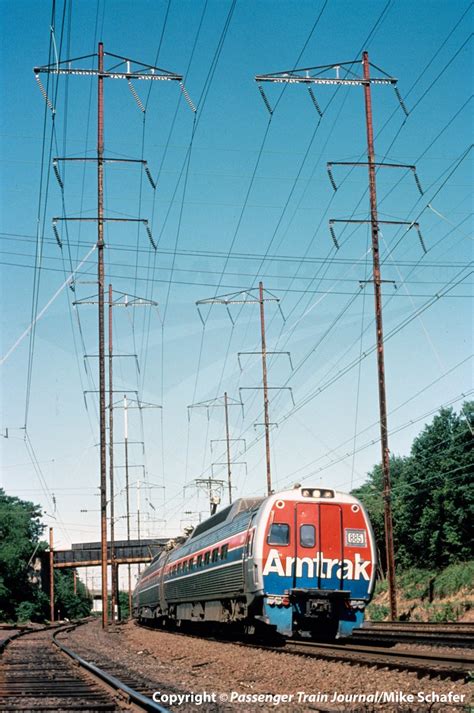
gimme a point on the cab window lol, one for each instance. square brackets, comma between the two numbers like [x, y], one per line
[199, 560]
[307, 536]
[215, 554]
[279, 534]
[224, 551]
[207, 557]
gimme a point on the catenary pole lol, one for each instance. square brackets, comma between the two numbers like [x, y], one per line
[111, 458]
[127, 491]
[100, 281]
[380, 346]
[265, 388]
[51, 575]
[227, 438]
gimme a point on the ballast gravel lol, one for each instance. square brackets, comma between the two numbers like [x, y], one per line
[170, 664]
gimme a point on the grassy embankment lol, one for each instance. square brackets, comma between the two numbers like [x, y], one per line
[426, 595]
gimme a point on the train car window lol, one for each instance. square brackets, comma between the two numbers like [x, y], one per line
[215, 554]
[185, 566]
[199, 560]
[191, 563]
[224, 551]
[207, 557]
[279, 534]
[307, 536]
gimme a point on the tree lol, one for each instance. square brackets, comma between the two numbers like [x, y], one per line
[20, 598]
[67, 603]
[432, 497]
[20, 532]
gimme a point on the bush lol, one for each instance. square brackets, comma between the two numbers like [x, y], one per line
[416, 583]
[25, 611]
[377, 612]
[454, 578]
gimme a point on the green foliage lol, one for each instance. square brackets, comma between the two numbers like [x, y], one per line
[432, 497]
[427, 595]
[123, 602]
[455, 578]
[20, 531]
[445, 612]
[68, 604]
[25, 611]
[21, 599]
[416, 583]
[377, 612]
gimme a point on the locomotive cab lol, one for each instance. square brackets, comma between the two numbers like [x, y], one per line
[318, 562]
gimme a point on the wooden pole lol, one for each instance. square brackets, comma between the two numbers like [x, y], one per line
[51, 575]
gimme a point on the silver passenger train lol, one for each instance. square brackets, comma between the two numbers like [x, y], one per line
[299, 560]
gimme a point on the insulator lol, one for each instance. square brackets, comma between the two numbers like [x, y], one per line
[265, 100]
[421, 239]
[57, 236]
[187, 97]
[147, 227]
[136, 97]
[402, 103]
[417, 181]
[45, 96]
[315, 101]
[58, 177]
[149, 176]
[333, 236]
[331, 178]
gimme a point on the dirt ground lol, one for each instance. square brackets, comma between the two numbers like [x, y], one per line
[188, 666]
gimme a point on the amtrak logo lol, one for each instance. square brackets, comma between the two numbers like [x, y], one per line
[316, 566]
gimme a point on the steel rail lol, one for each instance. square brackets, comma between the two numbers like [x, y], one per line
[433, 664]
[139, 699]
[445, 626]
[431, 635]
[61, 687]
[450, 665]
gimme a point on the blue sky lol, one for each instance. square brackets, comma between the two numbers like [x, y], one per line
[239, 199]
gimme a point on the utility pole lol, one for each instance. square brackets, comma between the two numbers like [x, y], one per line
[226, 403]
[138, 516]
[51, 576]
[344, 75]
[126, 301]
[129, 70]
[380, 350]
[100, 284]
[227, 438]
[127, 493]
[111, 462]
[247, 297]
[265, 388]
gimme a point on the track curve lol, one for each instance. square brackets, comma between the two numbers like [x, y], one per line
[40, 673]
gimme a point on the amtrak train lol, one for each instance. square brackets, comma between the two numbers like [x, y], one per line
[301, 560]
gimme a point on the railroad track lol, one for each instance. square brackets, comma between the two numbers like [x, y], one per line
[450, 666]
[384, 633]
[39, 673]
[427, 663]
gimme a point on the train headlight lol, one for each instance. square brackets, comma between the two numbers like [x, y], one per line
[311, 493]
[317, 493]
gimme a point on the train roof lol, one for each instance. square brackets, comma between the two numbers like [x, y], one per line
[227, 514]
